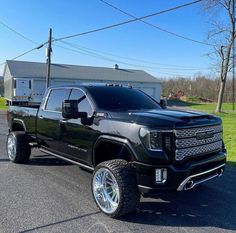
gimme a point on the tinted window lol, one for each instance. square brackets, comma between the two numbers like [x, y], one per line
[55, 99]
[83, 105]
[121, 99]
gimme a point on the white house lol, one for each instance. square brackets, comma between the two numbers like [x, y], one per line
[30, 76]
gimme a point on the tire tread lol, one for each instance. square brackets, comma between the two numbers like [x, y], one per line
[126, 179]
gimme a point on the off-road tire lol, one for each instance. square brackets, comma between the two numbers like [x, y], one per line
[125, 177]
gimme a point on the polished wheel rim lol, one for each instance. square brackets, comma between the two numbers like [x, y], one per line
[106, 190]
[11, 147]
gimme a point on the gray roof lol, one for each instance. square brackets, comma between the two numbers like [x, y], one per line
[24, 69]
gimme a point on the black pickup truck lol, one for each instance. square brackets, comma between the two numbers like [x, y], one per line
[133, 145]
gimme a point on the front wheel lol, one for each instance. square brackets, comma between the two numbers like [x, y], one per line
[114, 188]
[18, 148]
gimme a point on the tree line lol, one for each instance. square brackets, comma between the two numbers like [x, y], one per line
[201, 88]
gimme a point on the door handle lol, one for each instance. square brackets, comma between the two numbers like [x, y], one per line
[63, 121]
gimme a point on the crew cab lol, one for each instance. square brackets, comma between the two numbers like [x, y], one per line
[133, 145]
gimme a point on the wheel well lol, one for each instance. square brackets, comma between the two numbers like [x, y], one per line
[107, 150]
[17, 127]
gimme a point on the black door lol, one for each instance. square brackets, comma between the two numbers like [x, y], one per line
[49, 118]
[78, 135]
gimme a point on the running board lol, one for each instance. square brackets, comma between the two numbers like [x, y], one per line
[67, 160]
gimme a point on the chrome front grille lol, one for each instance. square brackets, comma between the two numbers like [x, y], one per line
[189, 142]
[188, 133]
[199, 150]
[197, 141]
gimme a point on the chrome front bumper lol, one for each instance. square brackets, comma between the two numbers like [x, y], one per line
[196, 179]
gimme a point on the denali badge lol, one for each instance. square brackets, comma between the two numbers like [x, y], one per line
[205, 134]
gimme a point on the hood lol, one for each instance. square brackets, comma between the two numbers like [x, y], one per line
[167, 118]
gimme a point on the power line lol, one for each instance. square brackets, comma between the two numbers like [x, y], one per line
[19, 55]
[84, 52]
[18, 33]
[128, 21]
[22, 54]
[24, 37]
[156, 27]
[134, 59]
[91, 54]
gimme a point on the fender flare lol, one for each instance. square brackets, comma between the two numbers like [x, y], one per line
[19, 121]
[117, 140]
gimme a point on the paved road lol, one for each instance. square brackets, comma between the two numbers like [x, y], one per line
[49, 195]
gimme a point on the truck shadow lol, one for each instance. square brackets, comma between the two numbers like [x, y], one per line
[210, 205]
[205, 206]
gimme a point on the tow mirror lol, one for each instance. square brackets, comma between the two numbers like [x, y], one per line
[70, 110]
[82, 115]
[163, 103]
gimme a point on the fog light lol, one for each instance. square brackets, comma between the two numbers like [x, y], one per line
[161, 175]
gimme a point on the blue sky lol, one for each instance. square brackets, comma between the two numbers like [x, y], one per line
[135, 45]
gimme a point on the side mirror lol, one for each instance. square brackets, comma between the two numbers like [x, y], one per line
[70, 110]
[82, 115]
[163, 103]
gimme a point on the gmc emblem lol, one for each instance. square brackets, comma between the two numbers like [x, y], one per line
[205, 135]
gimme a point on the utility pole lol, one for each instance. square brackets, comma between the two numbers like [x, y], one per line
[48, 61]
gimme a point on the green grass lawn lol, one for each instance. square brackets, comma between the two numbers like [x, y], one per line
[2, 104]
[229, 122]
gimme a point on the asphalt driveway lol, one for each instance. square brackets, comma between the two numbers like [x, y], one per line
[49, 195]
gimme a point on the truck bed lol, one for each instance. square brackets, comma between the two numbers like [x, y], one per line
[26, 115]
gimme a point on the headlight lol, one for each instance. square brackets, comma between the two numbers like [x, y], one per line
[151, 139]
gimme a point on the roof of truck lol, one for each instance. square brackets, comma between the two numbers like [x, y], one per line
[25, 69]
[87, 86]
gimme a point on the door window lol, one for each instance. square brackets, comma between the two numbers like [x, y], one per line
[83, 105]
[55, 99]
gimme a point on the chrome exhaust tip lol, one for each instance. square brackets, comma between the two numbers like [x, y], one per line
[189, 185]
[194, 180]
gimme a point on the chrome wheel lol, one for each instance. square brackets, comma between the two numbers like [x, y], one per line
[105, 190]
[11, 147]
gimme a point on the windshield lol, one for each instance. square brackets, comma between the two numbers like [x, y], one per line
[121, 99]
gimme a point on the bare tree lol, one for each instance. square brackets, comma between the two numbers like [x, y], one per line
[200, 88]
[222, 35]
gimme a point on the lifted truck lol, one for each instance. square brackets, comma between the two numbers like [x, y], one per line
[133, 145]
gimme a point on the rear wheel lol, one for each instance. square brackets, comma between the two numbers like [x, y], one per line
[114, 188]
[18, 148]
